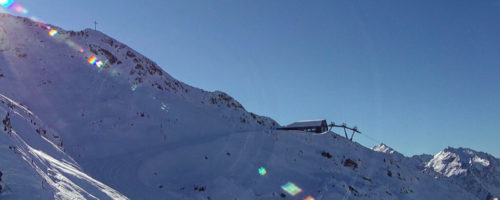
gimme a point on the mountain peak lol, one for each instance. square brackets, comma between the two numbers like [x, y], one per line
[476, 171]
[383, 148]
[456, 161]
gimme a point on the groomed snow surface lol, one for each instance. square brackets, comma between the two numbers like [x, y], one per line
[128, 130]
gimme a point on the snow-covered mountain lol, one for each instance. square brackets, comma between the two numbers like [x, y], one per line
[477, 172]
[86, 117]
[384, 149]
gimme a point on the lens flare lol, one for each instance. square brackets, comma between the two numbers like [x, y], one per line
[53, 32]
[96, 62]
[14, 6]
[291, 188]
[92, 60]
[70, 43]
[133, 88]
[164, 107]
[308, 198]
[18, 8]
[75, 46]
[6, 3]
[262, 171]
[35, 19]
[99, 63]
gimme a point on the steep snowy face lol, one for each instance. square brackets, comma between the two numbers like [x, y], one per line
[96, 92]
[93, 99]
[448, 164]
[32, 167]
[477, 172]
[455, 162]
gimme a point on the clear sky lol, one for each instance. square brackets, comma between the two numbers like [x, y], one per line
[417, 75]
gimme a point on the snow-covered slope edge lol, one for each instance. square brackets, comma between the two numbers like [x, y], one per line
[34, 167]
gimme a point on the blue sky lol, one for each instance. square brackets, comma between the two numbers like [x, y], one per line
[417, 75]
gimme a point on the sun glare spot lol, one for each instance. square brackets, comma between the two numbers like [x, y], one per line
[262, 171]
[309, 198]
[92, 60]
[53, 32]
[99, 64]
[6, 3]
[18, 8]
[164, 107]
[96, 62]
[291, 188]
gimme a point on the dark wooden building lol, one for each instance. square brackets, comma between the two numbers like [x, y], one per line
[315, 126]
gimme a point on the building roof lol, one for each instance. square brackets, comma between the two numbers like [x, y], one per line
[306, 123]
